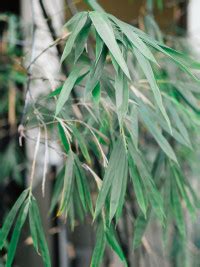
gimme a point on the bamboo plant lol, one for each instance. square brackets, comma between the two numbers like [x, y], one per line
[119, 99]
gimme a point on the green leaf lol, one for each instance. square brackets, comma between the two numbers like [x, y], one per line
[153, 117]
[59, 89]
[83, 186]
[57, 190]
[96, 93]
[138, 188]
[140, 226]
[79, 22]
[63, 137]
[156, 132]
[81, 40]
[179, 124]
[147, 69]
[16, 233]
[96, 71]
[55, 92]
[112, 241]
[40, 234]
[132, 124]
[104, 29]
[81, 143]
[177, 209]
[10, 217]
[122, 95]
[99, 247]
[68, 184]
[110, 175]
[118, 183]
[94, 5]
[69, 84]
[134, 39]
[71, 22]
[150, 187]
[181, 186]
[122, 197]
[165, 50]
[33, 229]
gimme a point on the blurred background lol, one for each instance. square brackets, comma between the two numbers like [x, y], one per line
[179, 21]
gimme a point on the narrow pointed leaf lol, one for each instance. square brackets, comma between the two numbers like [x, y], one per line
[82, 40]
[16, 233]
[78, 25]
[69, 84]
[134, 39]
[150, 187]
[140, 226]
[10, 218]
[68, 184]
[63, 138]
[43, 247]
[112, 241]
[156, 132]
[96, 72]
[99, 247]
[122, 95]
[147, 69]
[177, 209]
[82, 144]
[117, 184]
[109, 175]
[138, 188]
[105, 31]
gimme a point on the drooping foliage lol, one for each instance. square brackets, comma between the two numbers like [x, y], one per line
[118, 97]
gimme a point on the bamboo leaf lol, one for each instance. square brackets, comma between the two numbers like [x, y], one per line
[140, 226]
[83, 186]
[82, 144]
[109, 176]
[40, 234]
[94, 5]
[82, 40]
[179, 124]
[147, 69]
[118, 183]
[165, 50]
[99, 247]
[10, 217]
[156, 132]
[96, 93]
[122, 95]
[69, 84]
[177, 209]
[57, 190]
[134, 39]
[33, 229]
[112, 241]
[68, 184]
[63, 138]
[138, 188]
[96, 72]
[152, 192]
[59, 89]
[105, 31]
[16, 233]
[79, 22]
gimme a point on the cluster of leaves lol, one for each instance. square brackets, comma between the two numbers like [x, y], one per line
[25, 206]
[102, 127]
